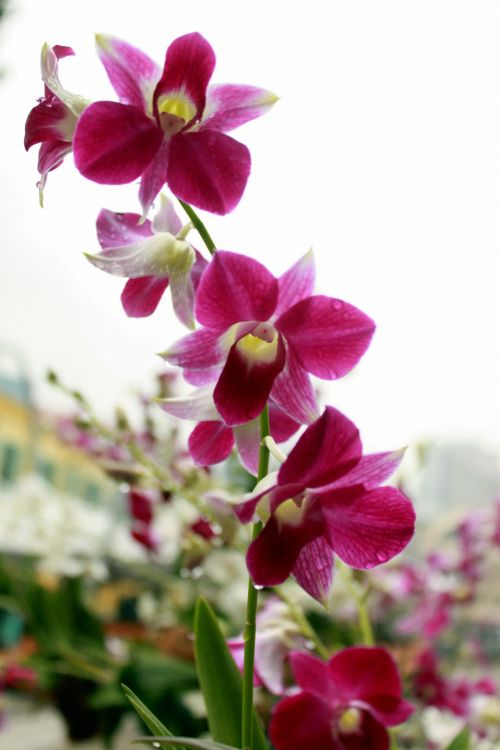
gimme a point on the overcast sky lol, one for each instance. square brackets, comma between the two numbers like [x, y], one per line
[382, 154]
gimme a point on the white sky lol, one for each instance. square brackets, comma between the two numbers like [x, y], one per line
[382, 154]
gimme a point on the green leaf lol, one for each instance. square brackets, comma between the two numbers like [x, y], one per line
[461, 741]
[150, 720]
[220, 681]
[188, 742]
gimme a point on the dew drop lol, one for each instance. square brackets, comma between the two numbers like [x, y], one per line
[381, 556]
[337, 304]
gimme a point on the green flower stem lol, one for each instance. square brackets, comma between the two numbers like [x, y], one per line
[253, 594]
[360, 597]
[200, 227]
[365, 625]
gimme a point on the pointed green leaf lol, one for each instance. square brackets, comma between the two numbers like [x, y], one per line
[187, 742]
[220, 681]
[461, 741]
[150, 720]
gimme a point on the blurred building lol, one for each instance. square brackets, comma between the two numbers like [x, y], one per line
[30, 444]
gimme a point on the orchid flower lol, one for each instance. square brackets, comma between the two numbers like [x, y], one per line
[169, 126]
[343, 704]
[52, 122]
[212, 440]
[262, 336]
[152, 255]
[277, 635]
[325, 500]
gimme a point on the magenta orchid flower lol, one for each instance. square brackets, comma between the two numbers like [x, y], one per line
[153, 255]
[343, 704]
[211, 441]
[169, 126]
[325, 501]
[52, 122]
[262, 336]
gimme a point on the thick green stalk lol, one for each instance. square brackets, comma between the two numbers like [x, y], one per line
[253, 594]
[199, 226]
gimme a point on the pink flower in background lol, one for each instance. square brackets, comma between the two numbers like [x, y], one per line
[343, 704]
[277, 635]
[212, 441]
[153, 255]
[52, 122]
[170, 125]
[326, 500]
[454, 694]
[262, 336]
[140, 505]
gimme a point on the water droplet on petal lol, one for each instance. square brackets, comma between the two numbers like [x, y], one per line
[381, 556]
[337, 304]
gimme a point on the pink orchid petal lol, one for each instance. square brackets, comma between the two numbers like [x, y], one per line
[198, 405]
[210, 443]
[369, 675]
[371, 470]
[50, 120]
[233, 288]
[282, 427]
[366, 529]
[182, 292]
[293, 392]
[313, 570]
[389, 711]
[313, 674]
[154, 176]
[50, 75]
[114, 143]
[328, 336]
[118, 229]
[208, 169]
[245, 384]
[131, 72]
[202, 350]
[166, 220]
[326, 450]
[230, 105]
[272, 556]
[189, 64]
[201, 377]
[61, 51]
[50, 157]
[131, 261]
[140, 297]
[296, 284]
[247, 438]
[300, 722]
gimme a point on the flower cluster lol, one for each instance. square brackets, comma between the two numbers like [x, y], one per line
[257, 340]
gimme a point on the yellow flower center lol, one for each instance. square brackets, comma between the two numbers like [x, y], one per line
[261, 345]
[349, 721]
[291, 511]
[175, 112]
